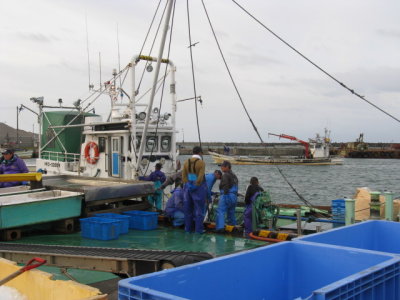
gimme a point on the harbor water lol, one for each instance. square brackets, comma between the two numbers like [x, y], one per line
[319, 184]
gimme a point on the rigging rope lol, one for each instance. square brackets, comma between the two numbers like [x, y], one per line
[154, 40]
[230, 74]
[296, 192]
[315, 65]
[193, 77]
[163, 82]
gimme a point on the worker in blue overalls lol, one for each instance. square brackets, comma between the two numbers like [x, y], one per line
[174, 207]
[158, 177]
[211, 179]
[195, 191]
[229, 187]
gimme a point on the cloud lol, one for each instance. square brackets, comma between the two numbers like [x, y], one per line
[389, 33]
[36, 37]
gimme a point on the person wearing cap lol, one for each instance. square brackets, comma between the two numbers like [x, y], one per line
[158, 177]
[10, 163]
[229, 187]
[195, 191]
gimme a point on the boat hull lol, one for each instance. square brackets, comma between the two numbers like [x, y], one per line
[246, 160]
[38, 207]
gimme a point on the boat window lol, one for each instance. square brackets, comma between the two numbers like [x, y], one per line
[165, 144]
[102, 144]
[151, 144]
[115, 145]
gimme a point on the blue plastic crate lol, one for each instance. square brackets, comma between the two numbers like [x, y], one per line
[370, 235]
[280, 272]
[338, 203]
[100, 228]
[124, 225]
[142, 220]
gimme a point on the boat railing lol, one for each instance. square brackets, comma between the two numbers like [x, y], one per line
[61, 157]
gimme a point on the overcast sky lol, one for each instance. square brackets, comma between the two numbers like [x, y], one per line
[43, 52]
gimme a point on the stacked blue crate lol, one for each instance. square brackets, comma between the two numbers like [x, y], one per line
[338, 211]
[100, 228]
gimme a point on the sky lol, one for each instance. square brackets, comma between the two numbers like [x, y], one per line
[43, 52]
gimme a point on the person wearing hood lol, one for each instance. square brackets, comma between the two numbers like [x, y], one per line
[10, 163]
[253, 190]
[158, 177]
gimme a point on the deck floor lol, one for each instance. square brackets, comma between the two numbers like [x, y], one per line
[159, 239]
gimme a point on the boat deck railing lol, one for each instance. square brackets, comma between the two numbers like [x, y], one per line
[61, 157]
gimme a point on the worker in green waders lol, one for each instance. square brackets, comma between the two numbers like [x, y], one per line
[158, 177]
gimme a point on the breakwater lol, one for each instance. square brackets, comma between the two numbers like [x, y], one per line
[280, 149]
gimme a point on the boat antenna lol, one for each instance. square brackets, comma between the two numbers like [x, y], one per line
[87, 50]
[100, 70]
[119, 59]
[315, 65]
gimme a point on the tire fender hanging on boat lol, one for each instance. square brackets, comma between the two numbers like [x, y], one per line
[89, 158]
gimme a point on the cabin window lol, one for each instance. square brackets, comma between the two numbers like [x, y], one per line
[115, 145]
[151, 144]
[102, 144]
[165, 144]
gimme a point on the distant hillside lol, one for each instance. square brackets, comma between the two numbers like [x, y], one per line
[12, 132]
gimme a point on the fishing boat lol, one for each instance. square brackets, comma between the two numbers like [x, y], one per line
[316, 153]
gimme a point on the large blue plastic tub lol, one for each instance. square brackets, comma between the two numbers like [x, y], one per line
[124, 224]
[100, 228]
[370, 235]
[278, 272]
[142, 220]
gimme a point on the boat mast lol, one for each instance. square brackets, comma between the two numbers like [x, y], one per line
[153, 90]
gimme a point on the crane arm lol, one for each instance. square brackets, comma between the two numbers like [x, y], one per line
[293, 138]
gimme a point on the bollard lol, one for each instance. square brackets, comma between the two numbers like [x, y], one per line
[388, 206]
[350, 205]
[298, 215]
[375, 206]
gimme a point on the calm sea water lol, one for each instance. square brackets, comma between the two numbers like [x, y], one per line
[319, 184]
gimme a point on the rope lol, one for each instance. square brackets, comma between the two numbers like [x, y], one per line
[151, 25]
[230, 75]
[315, 65]
[163, 82]
[152, 45]
[307, 203]
[193, 77]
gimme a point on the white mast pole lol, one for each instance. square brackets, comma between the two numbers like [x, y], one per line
[134, 162]
[153, 90]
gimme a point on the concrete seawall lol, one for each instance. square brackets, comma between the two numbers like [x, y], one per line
[245, 149]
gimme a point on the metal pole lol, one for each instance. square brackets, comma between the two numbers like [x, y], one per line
[17, 143]
[298, 215]
[157, 71]
[388, 206]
